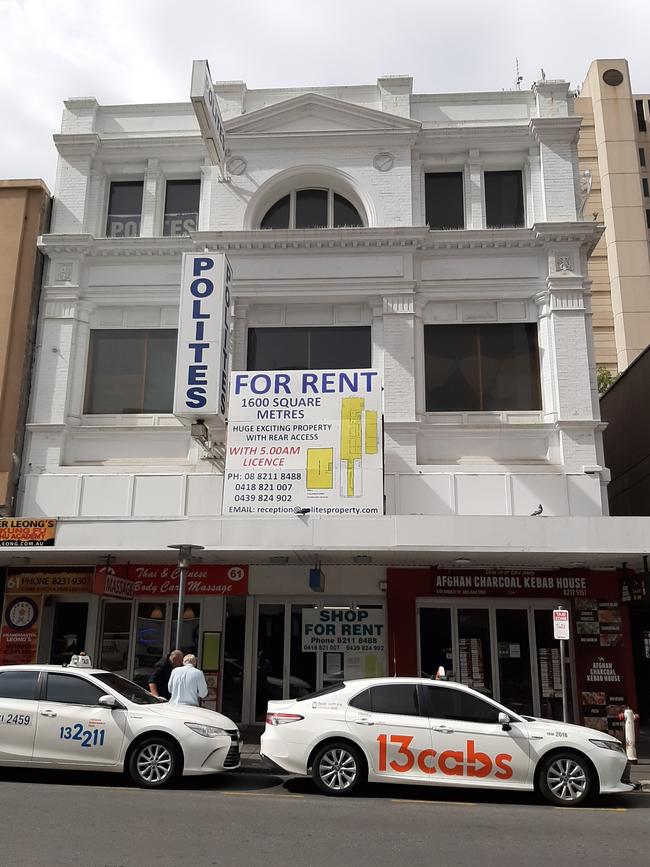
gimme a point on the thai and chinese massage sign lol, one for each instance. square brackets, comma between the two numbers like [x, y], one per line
[308, 440]
[451, 763]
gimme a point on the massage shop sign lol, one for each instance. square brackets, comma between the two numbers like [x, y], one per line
[307, 441]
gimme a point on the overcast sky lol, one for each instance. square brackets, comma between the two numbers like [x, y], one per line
[141, 51]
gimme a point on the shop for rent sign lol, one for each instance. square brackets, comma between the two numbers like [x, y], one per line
[306, 441]
[358, 630]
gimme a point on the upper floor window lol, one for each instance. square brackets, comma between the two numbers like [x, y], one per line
[124, 209]
[130, 370]
[311, 209]
[182, 207]
[642, 157]
[640, 115]
[646, 187]
[328, 348]
[481, 367]
[443, 192]
[504, 199]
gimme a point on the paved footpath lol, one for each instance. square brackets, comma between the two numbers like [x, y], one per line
[52, 819]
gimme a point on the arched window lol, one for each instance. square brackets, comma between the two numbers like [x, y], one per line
[311, 209]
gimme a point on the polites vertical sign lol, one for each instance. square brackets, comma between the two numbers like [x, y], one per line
[206, 108]
[202, 358]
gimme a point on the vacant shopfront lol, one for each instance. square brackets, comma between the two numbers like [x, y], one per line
[492, 630]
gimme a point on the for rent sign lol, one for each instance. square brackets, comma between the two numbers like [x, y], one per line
[304, 440]
[201, 389]
[360, 630]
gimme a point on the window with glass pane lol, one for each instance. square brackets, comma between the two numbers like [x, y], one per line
[182, 207]
[269, 682]
[124, 209]
[334, 348]
[395, 698]
[504, 199]
[435, 642]
[130, 371]
[233, 657]
[311, 209]
[277, 216]
[481, 367]
[149, 640]
[475, 660]
[18, 684]
[345, 214]
[190, 627]
[515, 677]
[302, 666]
[443, 193]
[71, 690]
[549, 668]
[445, 702]
[116, 633]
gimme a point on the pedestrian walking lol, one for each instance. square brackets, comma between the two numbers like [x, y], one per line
[186, 683]
[159, 680]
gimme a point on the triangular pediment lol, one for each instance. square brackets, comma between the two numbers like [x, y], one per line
[311, 113]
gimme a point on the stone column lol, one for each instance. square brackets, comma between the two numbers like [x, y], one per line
[474, 216]
[153, 201]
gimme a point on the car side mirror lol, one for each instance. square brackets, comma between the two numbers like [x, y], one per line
[504, 721]
[108, 701]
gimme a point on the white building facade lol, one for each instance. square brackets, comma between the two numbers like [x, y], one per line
[434, 238]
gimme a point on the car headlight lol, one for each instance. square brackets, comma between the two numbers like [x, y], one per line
[207, 731]
[617, 746]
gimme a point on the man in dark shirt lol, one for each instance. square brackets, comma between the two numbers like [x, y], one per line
[159, 680]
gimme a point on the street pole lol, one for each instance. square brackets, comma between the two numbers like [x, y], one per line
[565, 713]
[185, 553]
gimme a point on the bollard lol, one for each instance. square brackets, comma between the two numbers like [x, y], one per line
[630, 718]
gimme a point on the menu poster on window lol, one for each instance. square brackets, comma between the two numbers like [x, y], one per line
[550, 672]
[471, 662]
[604, 690]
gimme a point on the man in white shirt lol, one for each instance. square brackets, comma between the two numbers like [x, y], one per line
[186, 683]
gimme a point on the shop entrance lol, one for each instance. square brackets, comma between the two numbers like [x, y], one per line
[69, 625]
[504, 649]
[282, 670]
[640, 630]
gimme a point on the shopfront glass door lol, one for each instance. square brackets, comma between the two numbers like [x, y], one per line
[115, 636]
[68, 631]
[499, 648]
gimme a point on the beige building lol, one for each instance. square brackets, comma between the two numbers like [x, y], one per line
[24, 215]
[615, 147]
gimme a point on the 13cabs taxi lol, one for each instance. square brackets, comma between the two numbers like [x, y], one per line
[81, 718]
[411, 730]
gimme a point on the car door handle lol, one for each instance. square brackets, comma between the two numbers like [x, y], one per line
[364, 722]
[48, 713]
[443, 730]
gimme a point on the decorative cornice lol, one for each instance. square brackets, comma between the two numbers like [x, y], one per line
[411, 238]
[555, 129]
[79, 144]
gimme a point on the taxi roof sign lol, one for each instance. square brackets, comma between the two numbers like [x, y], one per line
[80, 660]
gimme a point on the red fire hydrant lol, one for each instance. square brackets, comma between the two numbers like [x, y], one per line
[630, 718]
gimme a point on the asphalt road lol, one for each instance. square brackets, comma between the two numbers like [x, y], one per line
[251, 818]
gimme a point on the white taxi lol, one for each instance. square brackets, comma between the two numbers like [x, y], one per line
[81, 718]
[411, 730]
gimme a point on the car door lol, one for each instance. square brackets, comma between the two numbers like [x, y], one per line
[18, 714]
[73, 728]
[472, 747]
[395, 734]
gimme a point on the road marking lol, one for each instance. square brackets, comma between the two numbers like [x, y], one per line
[434, 803]
[597, 809]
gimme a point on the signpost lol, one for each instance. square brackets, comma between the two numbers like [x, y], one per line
[561, 632]
[206, 107]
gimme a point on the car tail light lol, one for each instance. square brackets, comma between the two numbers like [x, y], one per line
[280, 719]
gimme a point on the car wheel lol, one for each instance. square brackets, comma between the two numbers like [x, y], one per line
[566, 779]
[153, 763]
[339, 769]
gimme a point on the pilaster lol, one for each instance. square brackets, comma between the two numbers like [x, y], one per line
[153, 195]
[474, 212]
[399, 312]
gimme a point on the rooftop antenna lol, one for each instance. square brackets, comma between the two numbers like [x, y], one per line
[520, 78]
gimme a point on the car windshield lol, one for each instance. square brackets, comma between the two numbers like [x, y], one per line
[131, 691]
